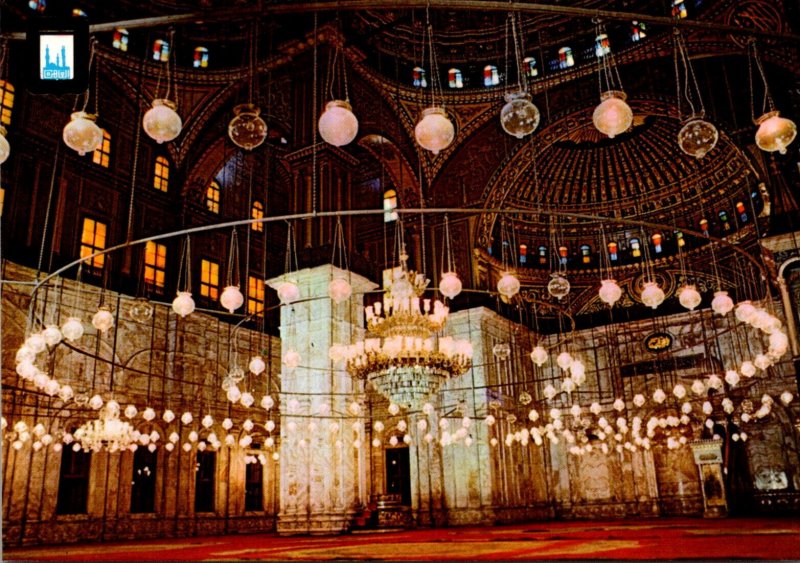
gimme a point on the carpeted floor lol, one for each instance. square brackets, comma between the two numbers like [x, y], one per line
[666, 538]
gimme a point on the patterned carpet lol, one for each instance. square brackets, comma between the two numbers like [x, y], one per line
[664, 539]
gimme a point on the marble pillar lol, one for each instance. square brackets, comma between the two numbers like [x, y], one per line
[322, 473]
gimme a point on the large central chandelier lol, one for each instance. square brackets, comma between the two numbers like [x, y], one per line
[107, 431]
[403, 357]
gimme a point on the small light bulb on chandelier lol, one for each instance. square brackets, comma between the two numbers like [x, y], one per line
[450, 285]
[434, 131]
[775, 133]
[652, 295]
[613, 116]
[539, 355]
[340, 290]
[103, 320]
[564, 360]
[82, 134]
[52, 335]
[338, 125]
[257, 365]
[231, 298]
[161, 122]
[72, 329]
[183, 304]
[689, 297]
[508, 285]
[722, 304]
[610, 291]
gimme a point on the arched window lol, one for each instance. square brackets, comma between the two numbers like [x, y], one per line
[657, 239]
[602, 46]
[742, 211]
[490, 76]
[213, 196]
[563, 253]
[613, 250]
[723, 218]
[120, 40]
[160, 50]
[586, 253]
[454, 78]
[6, 102]
[565, 58]
[257, 212]
[704, 226]
[523, 253]
[636, 248]
[161, 174]
[143, 482]
[37, 5]
[679, 9]
[155, 265]
[530, 68]
[638, 31]
[420, 81]
[102, 154]
[255, 295]
[542, 255]
[389, 206]
[200, 57]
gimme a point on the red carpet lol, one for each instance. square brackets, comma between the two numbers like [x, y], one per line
[666, 538]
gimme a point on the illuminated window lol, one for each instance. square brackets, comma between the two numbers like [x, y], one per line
[2, 200]
[161, 174]
[742, 211]
[254, 487]
[155, 265]
[613, 250]
[723, 218]
[563, 253]
[542, 255]
[257, 212]
[93, 239]
[37, 5]
[565, 58]
[419, 77]
[200, 57]
[255, 295]
[680, 238]
[212, 196]
[657, 240]
[120, 40]
[6, 102]
[209, 279]
[205, 471]
[529, 64]
[102, 154]
[160, 50]
[602, 46]
[490, 76]
[638, 31]
[636, 248]
[679, 9]
[389, 206]
[586, 254]
[454, 78]
[523, 253]
[704, 226]
[73, 481]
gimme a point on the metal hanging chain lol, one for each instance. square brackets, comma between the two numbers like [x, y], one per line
[314, 121]
[436, 85]
[185, 260]
[291, 250]
[339, 254]
[170, 59]
[252, 61]
[448, 253]
[518, 50]
[767, 104]
[233, 260]
[88, 93]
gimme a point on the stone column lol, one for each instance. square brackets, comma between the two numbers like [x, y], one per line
[788, 311]
[320, 470]
[708, 457]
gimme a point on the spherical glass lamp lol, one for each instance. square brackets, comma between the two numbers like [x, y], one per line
[558, 286]
[82, 134]
[288, 292]
[52, 335]
[291, 359]
[722, 304]
[501, 351]
[775, 133]
[697, 137]
[338, 126]
[613, 116]
[257, 365]
[340, 290]
[72, 329]
[652, 295]
[183, 304]
[434, 131]
[745, 311]
[610, 291]
[519, 117]
[564, 360]
[247, 130]
[689, 297]
[539, 355]
[450, 286]
[508, 285]
[5, 147]
[103, 320]
[161, 122]
[231, 298]
[141, 310]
